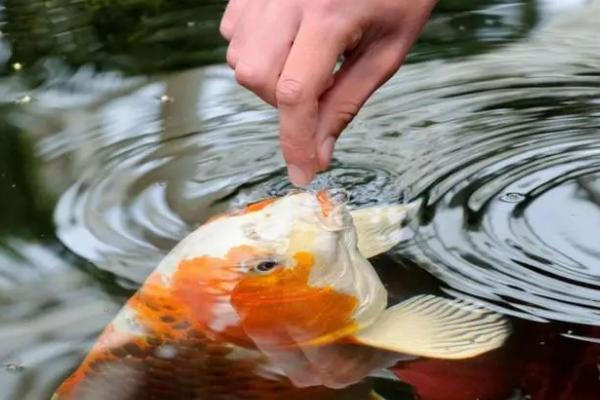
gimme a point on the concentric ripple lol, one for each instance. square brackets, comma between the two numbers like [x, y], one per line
[511, 181]
[503, 149]
[129, 210]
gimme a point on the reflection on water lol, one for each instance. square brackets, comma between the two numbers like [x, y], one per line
[50, 314]
[510, 212]
[124, 34]
[500, 146]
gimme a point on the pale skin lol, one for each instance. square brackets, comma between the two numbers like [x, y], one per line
[285, 51]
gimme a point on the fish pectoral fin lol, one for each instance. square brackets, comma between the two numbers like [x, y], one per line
[380, 228]
[436, 327]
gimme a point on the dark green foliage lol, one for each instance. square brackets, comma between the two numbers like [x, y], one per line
[24, 209]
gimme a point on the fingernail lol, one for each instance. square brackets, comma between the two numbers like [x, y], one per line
[326, 151]
[298, 176]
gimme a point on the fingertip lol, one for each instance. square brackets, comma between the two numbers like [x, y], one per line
[299, 176]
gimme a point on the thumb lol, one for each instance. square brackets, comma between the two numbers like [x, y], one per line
[359, 76]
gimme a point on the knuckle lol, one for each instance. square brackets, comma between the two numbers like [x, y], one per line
[248, 76]
[226, 29]
[289, 91]
[335, 16]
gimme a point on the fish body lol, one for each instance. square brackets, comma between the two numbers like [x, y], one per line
[276, 300]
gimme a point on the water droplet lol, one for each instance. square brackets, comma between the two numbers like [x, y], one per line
[569, 332]
[17, 66]
[462, 28]
[166, 99]
[512, 197]
[14, 185]
[24, 99]
[14, 368]
[191, 24]
[542, 343]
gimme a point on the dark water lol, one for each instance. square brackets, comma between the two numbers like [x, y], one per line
[116, 142]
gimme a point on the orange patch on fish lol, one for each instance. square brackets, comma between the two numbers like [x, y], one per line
[326, 202]
[257, 206]
[166, 314]
[282, 309]
[203, 282]
[159, 316]
[279, 309]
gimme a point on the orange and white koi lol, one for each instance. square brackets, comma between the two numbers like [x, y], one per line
[277, 300]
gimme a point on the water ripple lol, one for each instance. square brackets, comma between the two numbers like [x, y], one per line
[502, 148]
[125, 214]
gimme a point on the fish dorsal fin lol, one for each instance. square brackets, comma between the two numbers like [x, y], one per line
[380, 228]
[436, 327]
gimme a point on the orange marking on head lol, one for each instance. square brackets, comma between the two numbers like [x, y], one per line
[326, 202]
[259, 205]
[281, 309]
[202, 282]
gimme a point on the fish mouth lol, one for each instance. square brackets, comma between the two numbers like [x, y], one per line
[334, 196]
[331, 200]
[333, 208]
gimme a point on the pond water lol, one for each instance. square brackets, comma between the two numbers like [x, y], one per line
[117, 140]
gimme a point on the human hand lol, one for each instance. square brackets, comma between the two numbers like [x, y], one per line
[286, 52]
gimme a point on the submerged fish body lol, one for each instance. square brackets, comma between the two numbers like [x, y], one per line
[277, 300]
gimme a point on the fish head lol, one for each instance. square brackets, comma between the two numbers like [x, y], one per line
[280, 273]
[310, 285]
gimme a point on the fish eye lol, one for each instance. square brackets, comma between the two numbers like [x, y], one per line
[265, 266]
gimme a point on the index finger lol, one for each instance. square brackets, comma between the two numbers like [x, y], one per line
[305, 76]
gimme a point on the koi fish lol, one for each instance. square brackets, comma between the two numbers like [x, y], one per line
[276, 300]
